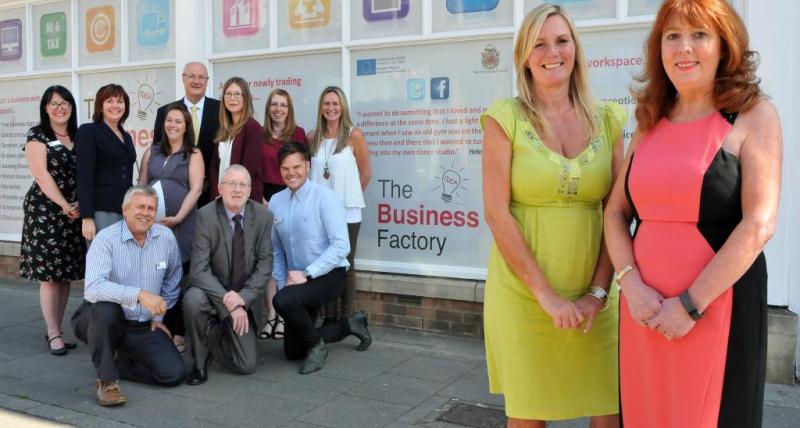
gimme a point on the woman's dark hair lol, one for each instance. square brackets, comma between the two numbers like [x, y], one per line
[187, 146]
[106, 92]
[44, 118]
[291, 148]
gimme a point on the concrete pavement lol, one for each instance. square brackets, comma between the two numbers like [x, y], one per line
[406, 379]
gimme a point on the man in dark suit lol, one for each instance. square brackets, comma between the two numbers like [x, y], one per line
[205, 116]
[231, 260]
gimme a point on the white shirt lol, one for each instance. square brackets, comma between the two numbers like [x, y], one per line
[200, 104]
[224, 148]
[343, 178]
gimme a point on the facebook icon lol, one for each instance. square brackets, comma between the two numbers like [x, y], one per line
[440, 88]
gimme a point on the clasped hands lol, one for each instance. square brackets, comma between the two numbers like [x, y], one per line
[650, 309]
[570, 314]
[71, 210]
[236, 306]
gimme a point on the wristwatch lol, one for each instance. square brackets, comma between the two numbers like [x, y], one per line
[687, 303]
[600, 293]
[308, 276]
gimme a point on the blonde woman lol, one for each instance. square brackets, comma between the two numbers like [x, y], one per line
[549, 158]
[340, 161]
[239, 139]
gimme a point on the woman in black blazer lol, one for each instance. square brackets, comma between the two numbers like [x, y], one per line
[105, 161]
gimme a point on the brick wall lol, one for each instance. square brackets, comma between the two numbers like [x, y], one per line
[9, 267]
[422, 313]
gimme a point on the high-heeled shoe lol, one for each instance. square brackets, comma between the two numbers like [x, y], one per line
[59, 351]
[269, 329]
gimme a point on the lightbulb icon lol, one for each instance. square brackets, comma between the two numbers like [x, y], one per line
[451, 181]
[146, 95]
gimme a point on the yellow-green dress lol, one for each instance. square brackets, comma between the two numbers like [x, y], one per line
[544, 372]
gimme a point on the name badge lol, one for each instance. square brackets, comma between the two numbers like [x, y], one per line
[161, 265]
[55, 143]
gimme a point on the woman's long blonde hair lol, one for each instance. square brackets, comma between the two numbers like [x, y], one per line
[345, 124]
[579, 92]
[227, 129]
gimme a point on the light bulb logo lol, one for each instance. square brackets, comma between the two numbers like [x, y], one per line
[450, 183]
[145, 97]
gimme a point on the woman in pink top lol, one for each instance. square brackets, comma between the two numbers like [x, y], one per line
[702, 183]
[279, 128]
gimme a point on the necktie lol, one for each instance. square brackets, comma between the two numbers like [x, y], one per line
[195, 125]
[238, 275]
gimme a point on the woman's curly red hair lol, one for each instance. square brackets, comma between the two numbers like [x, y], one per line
[736, 87]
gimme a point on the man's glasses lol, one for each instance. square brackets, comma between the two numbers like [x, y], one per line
[195, 76]
[236, 184]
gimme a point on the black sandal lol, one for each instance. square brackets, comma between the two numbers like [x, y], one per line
[60, 351]
[269, 329]
[278, 335]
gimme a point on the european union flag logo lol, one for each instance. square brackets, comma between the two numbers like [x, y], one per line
[366, 67]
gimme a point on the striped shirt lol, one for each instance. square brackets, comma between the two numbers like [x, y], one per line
[117, 268]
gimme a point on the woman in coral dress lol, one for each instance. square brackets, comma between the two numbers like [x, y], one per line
[702, 183]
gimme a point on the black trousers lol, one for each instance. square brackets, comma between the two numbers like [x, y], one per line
[142, 355]
[299, 306]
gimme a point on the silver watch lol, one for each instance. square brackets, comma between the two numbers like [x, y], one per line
[600, 293]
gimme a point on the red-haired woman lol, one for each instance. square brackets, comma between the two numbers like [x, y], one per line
[105, 161]
[703, 180]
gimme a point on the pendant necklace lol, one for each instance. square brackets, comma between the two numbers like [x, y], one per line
[58, 134]
[325, 172]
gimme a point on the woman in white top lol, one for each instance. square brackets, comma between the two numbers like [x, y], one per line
[340, 160]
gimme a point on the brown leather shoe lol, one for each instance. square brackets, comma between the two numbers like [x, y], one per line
[108, 393]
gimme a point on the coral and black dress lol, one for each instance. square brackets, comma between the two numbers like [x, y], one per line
[685, 190]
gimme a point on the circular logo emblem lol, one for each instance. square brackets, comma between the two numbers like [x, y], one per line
[100, 29]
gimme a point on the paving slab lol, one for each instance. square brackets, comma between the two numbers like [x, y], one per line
[391, 388]
[349, 411]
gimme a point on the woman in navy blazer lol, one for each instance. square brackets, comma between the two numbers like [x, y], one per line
[239, 138]
[105, 161]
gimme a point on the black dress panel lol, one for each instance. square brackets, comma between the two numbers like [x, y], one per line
[52, 247]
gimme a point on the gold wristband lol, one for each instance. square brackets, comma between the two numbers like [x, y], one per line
[622, 272]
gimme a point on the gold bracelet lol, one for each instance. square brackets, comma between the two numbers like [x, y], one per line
[622, 272]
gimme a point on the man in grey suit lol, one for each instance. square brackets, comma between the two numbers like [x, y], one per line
[231, 260]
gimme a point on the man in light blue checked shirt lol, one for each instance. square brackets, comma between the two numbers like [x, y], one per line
[310, 247]
[133, 268]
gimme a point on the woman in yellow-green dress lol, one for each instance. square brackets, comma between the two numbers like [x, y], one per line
[550, 156]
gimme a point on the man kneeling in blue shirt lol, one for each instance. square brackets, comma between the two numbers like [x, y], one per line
[310, 247]
[132, 273]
